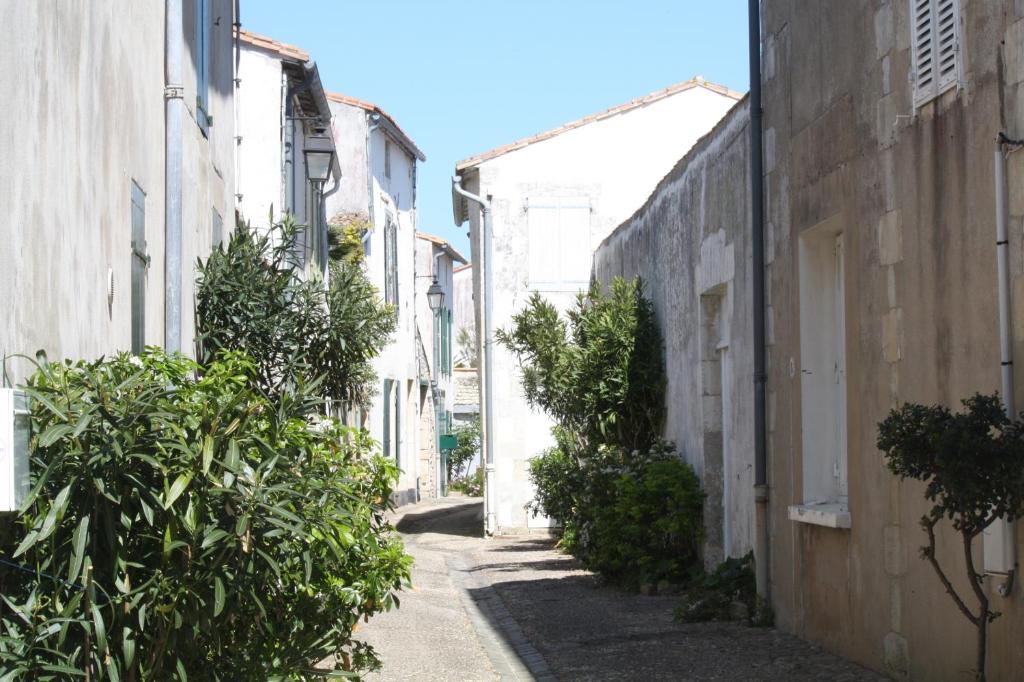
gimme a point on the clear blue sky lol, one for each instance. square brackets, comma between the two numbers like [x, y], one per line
[464, 77]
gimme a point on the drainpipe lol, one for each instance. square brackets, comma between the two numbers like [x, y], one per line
[757, 248]
[375, 117]
[999, 545]
[486, 268]
[237, 26]
[174, 104]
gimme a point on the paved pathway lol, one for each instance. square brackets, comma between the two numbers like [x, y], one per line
[516, 609]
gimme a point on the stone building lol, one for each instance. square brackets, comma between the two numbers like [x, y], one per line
[117, 173]
[555, 196]
[880, 126]
[436, 260]
[690, 245]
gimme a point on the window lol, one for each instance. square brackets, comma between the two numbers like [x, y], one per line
[387, 159]
[391, 263]
[217, 229]
[559, 243]
[140, 263]
[203, 64]
[823, 372]
[392, 427]
[936, 47]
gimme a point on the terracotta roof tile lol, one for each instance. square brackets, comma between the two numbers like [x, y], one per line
[600, 116]
[267, 43]
[373, 108]
[443, 243]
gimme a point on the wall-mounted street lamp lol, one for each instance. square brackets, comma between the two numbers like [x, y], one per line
[319, 151]
[435, 296]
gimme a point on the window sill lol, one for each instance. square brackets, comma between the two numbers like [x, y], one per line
[828, 514]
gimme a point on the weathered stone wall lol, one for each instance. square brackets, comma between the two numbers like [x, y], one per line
[690, 245]
[912, 192]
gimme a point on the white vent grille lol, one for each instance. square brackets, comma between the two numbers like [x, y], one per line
[936, 47]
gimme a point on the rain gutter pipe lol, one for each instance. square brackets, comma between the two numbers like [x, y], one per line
[999, 546]
[488, 339]
[757, 250]
[174, 104]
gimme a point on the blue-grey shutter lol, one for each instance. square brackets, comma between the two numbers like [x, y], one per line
[387, 417]
[218, 229]
[203, 64]
[140, 261]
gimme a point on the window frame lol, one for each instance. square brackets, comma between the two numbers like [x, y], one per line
[139, 267]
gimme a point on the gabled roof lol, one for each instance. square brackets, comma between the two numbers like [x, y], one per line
[266, 43]
[696, 82]
[445, 246]
[462, 268]
[390, 123]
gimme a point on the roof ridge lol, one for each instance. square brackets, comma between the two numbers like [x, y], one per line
[657, 95]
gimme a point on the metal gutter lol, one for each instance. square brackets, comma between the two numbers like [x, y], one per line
[174, 109]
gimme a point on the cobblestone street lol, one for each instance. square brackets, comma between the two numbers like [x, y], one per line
[516, 609]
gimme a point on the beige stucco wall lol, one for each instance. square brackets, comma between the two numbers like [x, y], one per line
[912, 191]
[86, 117]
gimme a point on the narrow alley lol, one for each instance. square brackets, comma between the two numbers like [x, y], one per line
[515, 608]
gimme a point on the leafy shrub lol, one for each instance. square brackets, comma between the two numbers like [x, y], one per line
[468, 448]
[973, 464]
[601, 376]
[635, 518]
[186, 526]
[471, 485]
[716, 595]
[629, 508]
[252, 297]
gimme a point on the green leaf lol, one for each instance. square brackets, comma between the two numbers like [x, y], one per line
[53, 434]
[100, 628]
[78, 540]
[218, 596]
[177, 488]
[207, 453]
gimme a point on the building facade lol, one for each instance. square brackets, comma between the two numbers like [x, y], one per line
[108, 158]
[435, 262]
[880, 128]
[555, 196]
[283, 112]
[377, 195]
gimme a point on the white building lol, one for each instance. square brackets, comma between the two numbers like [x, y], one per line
[435, 262]
[378, 192]
[283, 113]
[555, 196]
[117, 171]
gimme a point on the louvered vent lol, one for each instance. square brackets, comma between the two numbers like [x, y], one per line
[936, 46]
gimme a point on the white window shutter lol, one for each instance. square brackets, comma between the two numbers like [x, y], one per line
[947, 44]
[574, 241]
[544, 243]
[923, 43]
[935, 41]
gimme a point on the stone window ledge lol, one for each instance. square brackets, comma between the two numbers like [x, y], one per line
[828, 514]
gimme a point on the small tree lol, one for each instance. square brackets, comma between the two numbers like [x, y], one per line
[460, 458]
[973, 464]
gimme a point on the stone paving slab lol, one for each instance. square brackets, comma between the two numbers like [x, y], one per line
[518, 609]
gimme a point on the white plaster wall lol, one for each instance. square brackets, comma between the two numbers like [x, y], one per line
[398, 360]
[463, 291]
[614, 163]
[87, 83]
[349, 125]
[260, 118]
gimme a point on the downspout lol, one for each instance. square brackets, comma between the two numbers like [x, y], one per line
[237, 25]
[174, 104]
[488, 359]
[999, 540]
[375, 117]
[757, 247]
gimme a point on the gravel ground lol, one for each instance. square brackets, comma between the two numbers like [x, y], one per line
[517, 609]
